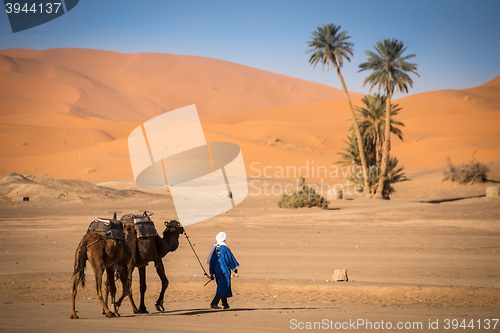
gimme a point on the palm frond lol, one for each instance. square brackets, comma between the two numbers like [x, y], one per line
[329, 46]
[389, 68]
[371, 117]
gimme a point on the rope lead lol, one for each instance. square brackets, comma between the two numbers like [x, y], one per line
[204, 271]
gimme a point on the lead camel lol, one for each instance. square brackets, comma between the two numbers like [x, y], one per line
[147, 249]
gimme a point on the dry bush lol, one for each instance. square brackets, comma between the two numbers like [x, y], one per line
[467, 173]
[305, 196]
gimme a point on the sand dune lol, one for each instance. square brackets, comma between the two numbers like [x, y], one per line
[71, 146]
[439, 124]
[15, 187]
[65, 146]
[64, 110]
[132, 87]
[452, 123]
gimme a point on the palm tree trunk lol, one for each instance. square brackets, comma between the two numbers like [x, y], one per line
[385, 151]
[358, 132]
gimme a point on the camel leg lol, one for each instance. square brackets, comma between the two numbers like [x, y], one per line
[130, 297]
[143, 287]
[106, 294]
[98, 272]
[160, 270]
[110, 284]
[123, 271]
[74, 286]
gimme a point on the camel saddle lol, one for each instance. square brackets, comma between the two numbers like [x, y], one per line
[108, 228]
[144, 225]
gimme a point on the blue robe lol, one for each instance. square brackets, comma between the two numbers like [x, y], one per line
[221, 264]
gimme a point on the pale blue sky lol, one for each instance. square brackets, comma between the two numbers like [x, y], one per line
[457, 42]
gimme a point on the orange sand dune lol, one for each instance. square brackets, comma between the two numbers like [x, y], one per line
[439, 124]
[450, 123]
[44, 134]
[98, 88]
[106, 161]
[132, 87]
[66, 145]
[486, 93]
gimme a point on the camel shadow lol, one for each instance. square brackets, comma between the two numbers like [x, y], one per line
[195, 312]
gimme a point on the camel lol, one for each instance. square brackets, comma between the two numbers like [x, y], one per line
[103, 254]
[145, 250]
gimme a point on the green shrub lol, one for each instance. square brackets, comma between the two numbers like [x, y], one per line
[468, 173]
[305, 196]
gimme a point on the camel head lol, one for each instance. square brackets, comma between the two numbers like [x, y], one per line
[173, 229]
[130, 231]
[129, 228]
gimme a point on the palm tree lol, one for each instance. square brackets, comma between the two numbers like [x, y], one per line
[350, 155]
[372, 121]
[389, 71]
[330, 47]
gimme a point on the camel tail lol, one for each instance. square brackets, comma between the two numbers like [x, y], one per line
[80, 262]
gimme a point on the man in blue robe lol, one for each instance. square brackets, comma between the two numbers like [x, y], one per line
[221, 262]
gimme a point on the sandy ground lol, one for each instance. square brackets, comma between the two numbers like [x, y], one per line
[407, 260]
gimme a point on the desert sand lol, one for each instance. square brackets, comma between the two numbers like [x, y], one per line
[408, 260]
[430, 253]
[67, 113]
[132, 87]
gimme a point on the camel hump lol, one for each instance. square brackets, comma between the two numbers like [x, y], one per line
[144, 225]
[107, 228]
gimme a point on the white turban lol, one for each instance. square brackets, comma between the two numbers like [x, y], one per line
[221, 238]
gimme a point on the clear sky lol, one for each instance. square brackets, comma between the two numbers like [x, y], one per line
[457, 42]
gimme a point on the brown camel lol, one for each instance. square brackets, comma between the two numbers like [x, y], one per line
[103, 254]
[146, 249]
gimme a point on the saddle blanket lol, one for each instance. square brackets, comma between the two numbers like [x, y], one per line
[108, 228]
[144, 225]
